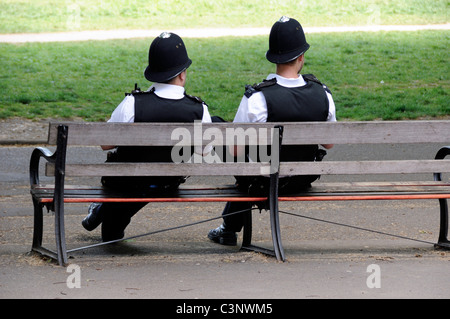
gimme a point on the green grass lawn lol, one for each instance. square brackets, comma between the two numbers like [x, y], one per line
[63, 15]
[383, 75]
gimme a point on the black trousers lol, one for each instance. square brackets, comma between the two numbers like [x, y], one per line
[117, 216]
[260, 186]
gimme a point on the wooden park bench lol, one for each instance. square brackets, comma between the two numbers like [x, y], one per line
[65, 135]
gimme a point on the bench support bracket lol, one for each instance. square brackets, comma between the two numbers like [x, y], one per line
[278, 251]
[443, 241]
[58, 158]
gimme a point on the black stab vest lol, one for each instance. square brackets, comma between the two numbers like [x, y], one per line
[149, 107]
[308, 103]
[300, 104]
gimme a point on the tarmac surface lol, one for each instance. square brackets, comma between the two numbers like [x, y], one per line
[324, 261]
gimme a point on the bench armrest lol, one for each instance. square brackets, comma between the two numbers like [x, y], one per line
[441, 154]
[34, 162]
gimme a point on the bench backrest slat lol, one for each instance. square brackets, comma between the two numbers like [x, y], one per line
[376, 132]
[162, 134]
[364, 167]
[162, 169]
[255, 169]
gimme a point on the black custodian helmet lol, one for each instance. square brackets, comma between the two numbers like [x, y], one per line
[286, 41]
[167, 57]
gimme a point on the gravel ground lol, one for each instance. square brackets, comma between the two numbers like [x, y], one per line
[23, 131]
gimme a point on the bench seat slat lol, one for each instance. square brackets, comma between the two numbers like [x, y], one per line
[189, 194]
[323, 191]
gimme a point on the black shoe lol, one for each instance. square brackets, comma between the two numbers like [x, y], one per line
[222, 236]
[94, 217]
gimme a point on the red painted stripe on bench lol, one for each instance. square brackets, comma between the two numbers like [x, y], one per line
[254, 199]
[364, 197]
[158, 200]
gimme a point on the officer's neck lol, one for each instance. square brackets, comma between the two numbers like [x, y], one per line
[179, 80]
[288, 75]
[291, 70]
[287, 71]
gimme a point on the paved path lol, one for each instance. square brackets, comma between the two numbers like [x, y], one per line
[323, 260]
[197, 33]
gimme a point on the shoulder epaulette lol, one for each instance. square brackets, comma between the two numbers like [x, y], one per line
[250, 89]
[312, 78]
[195, 98]
[137, 90]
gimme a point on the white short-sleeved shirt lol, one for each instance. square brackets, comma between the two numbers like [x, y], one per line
[254, 108]
[124, 112]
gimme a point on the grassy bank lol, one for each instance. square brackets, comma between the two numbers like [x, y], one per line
[69, 15]
[395, 75]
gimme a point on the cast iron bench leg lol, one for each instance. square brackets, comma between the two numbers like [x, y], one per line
[247, 238]
[273, 205]
[60, 166]
[443, 241]
[38, 231]
[38, 225]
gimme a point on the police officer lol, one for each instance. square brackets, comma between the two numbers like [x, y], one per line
[282, 97]
[165, 101]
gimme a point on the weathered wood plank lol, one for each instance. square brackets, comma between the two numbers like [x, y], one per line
[230, 169]
[376, 132]
[226, 133]
[364, 167]
[320, 191]
[162, 169]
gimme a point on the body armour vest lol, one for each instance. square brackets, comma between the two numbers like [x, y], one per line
[307, 103]
[149, 107]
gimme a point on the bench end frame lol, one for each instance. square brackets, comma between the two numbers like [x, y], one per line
[443, 241]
